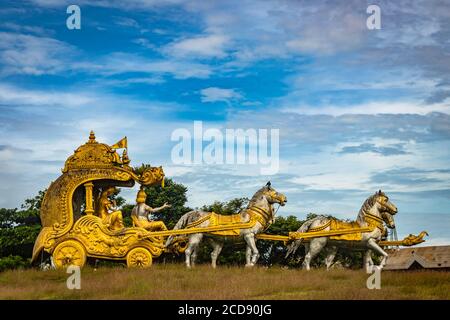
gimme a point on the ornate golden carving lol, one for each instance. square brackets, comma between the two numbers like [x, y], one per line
[92, 163]
[68, 253]
[139, 258]
[336, 225]
[152, 176]
[408, 241]
[99, 241]
[89, 200]
[92, 155]
[56, 209]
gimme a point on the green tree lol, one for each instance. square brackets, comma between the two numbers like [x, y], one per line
[227, 208]
[174, 194]
[33, 205]
[18, 231]
[273, 252]
[126, 214]
[8, 218]
[28, 216]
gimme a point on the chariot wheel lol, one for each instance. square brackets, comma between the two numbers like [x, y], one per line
[68, 253]
[139, 258]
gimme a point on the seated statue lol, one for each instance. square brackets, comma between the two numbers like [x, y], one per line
[140, 214]
[108, 212]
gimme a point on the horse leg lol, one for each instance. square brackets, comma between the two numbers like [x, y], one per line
[194, 240]
[187, 254]
[373, 245]
[194, 255]
[306, 261]
[195, 252]
[315, 246]
[248, 256]
[250, 239]
[330, 257]
[368, 262]
[217, 247]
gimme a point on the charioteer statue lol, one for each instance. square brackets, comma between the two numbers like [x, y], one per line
[141, 214]
[108, 212]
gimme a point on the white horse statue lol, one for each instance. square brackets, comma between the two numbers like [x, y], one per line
[374, 211]
[259, 213]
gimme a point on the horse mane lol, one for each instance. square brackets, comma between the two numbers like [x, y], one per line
[369, 203]
[256, 196]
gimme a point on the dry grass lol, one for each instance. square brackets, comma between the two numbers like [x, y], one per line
[175, 282]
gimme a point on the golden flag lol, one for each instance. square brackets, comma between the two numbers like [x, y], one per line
[120, 144]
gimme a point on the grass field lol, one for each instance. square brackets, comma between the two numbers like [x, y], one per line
[176, 282]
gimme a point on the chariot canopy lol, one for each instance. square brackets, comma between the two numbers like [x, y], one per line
[93, 168]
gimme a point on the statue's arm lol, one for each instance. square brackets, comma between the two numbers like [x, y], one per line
[165, 205]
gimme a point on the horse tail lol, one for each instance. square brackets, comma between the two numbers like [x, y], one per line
[179, 225]
[293, 247]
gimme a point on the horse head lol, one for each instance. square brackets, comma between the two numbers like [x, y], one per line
[380, 206]
[263, 200]
[272, 195]
[388, 220]
[384, 204]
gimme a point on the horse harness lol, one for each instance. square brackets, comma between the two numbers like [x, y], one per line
[335, 224]
[256, 214]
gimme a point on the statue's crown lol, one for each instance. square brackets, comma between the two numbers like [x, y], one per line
[141, 196]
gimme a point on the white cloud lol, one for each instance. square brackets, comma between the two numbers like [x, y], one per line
[37, 30]
[331, 35]
[145, 43]
[372, 108]
[131, 81]
[214, 94]
[33, 55]
[10, 95]
[28, 54]
[126, 22]
[210, 46]
[119, 63]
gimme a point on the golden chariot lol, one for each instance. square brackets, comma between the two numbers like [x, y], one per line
[72, 229]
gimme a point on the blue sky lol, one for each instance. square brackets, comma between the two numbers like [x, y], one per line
[358, 109]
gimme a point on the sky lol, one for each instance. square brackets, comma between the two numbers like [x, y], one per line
[357, 110]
